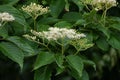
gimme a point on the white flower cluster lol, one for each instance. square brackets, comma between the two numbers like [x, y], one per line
[35, 9]
[30, 37]
[55, 33]
[101, 4]
[6, 17]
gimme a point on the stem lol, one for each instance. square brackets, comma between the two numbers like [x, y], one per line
[48, 43]
[62, 46]
[77, 52]
[58, 43]
[104, 15]
[35, 27]
[62, 49]
[43, 45]
[2, 25]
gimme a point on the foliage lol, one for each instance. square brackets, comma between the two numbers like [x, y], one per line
[60, 58]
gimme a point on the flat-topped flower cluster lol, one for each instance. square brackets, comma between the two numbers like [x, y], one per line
[5, 17]
[55, 33]
[35, 10]
[101, 4]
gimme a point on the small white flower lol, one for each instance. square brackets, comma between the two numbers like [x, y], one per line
[35, 9]
[101, 4]
[6, 17]
[55, 33]
[30, 37]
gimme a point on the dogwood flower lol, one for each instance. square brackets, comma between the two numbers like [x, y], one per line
[101, 4]
[30, 37]
[55, 33]
[6, 17]
[60, 36]
[35, 10]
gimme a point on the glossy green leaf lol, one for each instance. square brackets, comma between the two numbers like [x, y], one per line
[102, 44]
[74, 74]
[22, 44]
[80, 22]
[79, 4]
[104, 30]
[59, 70]
[42, 27]
[59, 58]
[116, 26]
[56, 7]
[48, 20]
[13, 11]
[89, 62]
[3, 32]
[13, 52]
[63, 24]
[85, 76]
[43, 74]
[43, 59]
[114, 41]
[8, 2]
[76, 63]
[72, 16]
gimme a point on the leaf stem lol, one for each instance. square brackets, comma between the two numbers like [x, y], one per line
[43, 45]
[62, 49]
[2, 25]
[104, 15]
[77, 52]
[62, 46]
[35, 27]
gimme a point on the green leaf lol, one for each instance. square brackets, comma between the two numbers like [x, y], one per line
[79, 4]
[85, 76]
[43, 59]
[8, 2]
[91, 16]
[104, 30]
[72, 16]
[3, 32]
[43, 74]
[90, 36]
[74, 74]
[91, 63]
[102, 44]
[48, 20]
[80, 22]
[22, 44]
[76, 63]
[56, 7]
[13, 11]
[63, 24]
[59, 70]
[59, 58]
[43, 27]
[13, 52]
[114, 41]
[116, 26]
